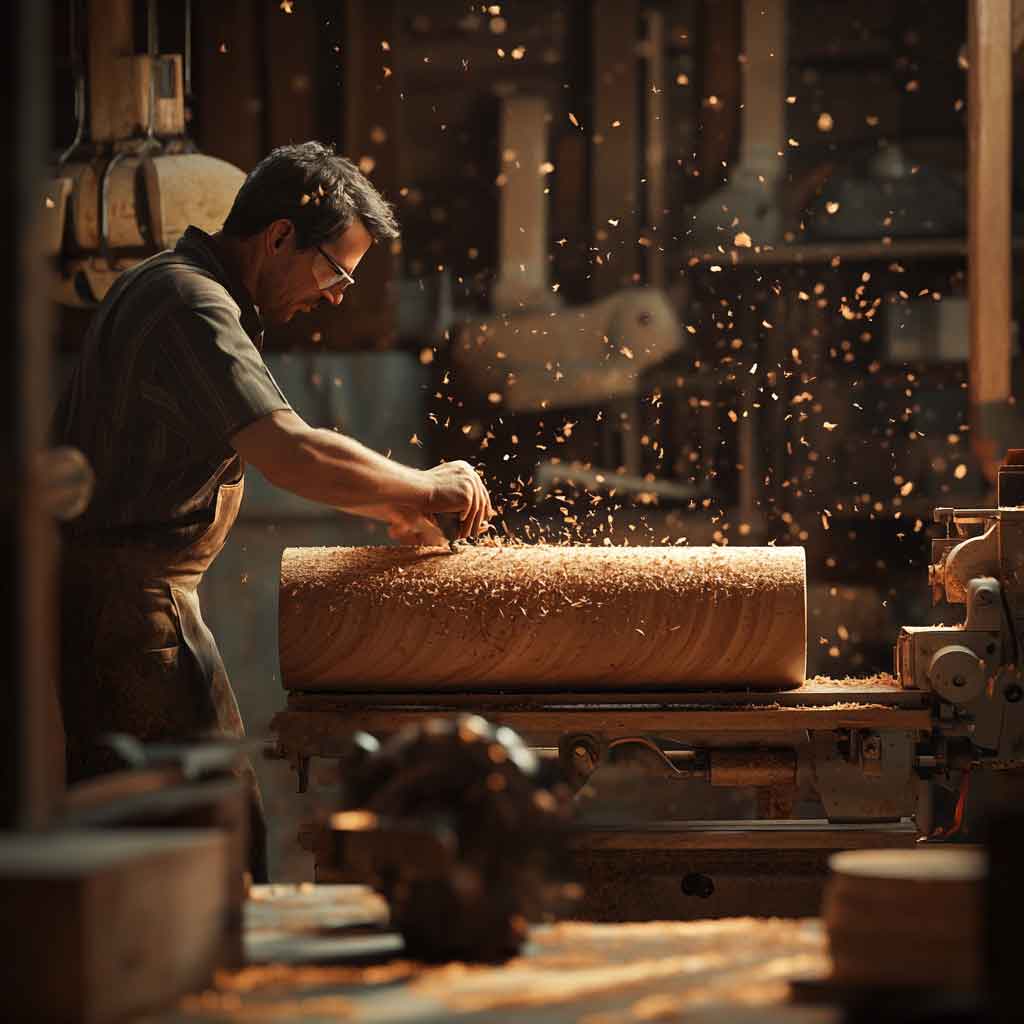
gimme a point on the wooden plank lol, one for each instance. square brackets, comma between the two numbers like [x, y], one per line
[325, 734]
[743, 835]
[989, 211]
[125, 920]
[815, 692]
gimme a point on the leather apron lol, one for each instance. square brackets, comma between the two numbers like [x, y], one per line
[133, 628]
[137, 656]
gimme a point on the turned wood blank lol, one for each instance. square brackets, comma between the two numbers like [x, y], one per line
[542, 618]
[907, 917]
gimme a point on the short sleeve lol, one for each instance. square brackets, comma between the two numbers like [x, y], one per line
[220, 378]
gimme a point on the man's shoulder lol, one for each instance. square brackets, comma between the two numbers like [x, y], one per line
[171, 283]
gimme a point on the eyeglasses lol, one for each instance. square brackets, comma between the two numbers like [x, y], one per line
[341, 275]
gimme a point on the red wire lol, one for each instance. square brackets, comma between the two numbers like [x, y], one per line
[958, 814]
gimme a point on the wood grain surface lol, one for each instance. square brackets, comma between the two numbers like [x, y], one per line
[542, 617]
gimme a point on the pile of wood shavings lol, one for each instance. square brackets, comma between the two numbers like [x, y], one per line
[552, 576]
[226, 1000]
[739, 961]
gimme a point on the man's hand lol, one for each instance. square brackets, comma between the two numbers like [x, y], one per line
[457, 487]
[410, 527]
[406, 525]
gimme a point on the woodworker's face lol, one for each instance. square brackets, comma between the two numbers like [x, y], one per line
[297, 280]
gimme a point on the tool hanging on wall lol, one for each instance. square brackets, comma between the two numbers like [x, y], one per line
[130, 181]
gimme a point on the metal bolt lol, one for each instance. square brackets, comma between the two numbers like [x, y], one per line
[959, 681]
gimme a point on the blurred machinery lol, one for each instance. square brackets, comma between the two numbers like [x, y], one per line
[451, 823]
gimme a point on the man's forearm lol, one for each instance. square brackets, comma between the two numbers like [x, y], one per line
[336, 470]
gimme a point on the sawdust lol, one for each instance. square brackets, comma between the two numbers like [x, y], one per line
[542, 615]
[228, 999]
[880, 681]
[742, 961]
[228, 1007]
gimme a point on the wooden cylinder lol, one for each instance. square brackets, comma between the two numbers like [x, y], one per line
[906, 917]
[542, 618]
[188, 188]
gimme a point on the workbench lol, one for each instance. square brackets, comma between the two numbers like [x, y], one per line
[323, 953]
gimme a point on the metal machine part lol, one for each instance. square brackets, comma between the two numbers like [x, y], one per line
[449, 821]
[972, 667]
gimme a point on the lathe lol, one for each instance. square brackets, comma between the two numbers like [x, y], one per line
[665, 688]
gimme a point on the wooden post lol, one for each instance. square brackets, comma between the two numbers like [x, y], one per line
[111, 43]
[615, 140]
[32, 742]
[989, 217]
[656, 188]
[764, 87]
[523, 229]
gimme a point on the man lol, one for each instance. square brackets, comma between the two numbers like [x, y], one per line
[169, 400]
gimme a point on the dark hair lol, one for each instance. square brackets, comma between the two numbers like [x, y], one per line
[321, 193]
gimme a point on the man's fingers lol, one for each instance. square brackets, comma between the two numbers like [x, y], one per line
[467, 521]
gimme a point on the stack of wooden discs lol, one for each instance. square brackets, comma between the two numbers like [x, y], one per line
[906, 918]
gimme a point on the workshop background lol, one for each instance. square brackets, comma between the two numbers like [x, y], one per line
[643, 318]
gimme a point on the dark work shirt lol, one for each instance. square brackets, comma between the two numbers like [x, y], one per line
[169, 371]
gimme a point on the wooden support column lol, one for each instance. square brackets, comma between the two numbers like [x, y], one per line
[989, 218]
[764, 87]
[31, 742]
[656, 187]
[615, 146]
[111, 42]
[523, 229]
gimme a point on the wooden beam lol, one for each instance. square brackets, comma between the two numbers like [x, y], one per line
[655, 110]
[111, 43]
[989, 216]
[764, 85]
[615, 146]
[230, 90]
[31, 745]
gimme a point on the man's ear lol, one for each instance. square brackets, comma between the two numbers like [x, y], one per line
[279, 233]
